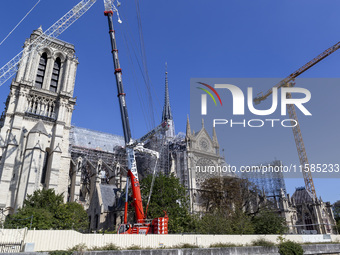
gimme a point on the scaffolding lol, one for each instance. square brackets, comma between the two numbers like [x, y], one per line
[271, 183]
[96, 154]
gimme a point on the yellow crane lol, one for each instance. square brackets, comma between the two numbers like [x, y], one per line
[292, 115]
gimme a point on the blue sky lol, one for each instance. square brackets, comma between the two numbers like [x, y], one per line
[202, 39]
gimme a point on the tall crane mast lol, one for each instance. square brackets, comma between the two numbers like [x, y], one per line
[9, 69]
[132, 168]
[288, 81]
[142, 226]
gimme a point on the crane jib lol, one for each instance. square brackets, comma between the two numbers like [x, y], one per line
[10, 69]
[292, 114]
[301, 70]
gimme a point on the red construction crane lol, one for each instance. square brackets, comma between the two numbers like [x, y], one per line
[142, 226]
[292, 115]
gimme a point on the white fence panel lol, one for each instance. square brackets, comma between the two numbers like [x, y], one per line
[49, 240]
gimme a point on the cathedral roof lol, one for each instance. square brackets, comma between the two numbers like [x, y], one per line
[83, 137]
[302, 196]
[108, 196]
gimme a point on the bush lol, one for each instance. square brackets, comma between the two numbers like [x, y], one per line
[263, 242]
[134, 247]
[60, 252]
[290, 248]
[223, 245]
[79, 247]
[107, 247]
[269, 222]
[185, 246]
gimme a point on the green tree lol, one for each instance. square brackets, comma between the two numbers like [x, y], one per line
[44, 209]
[47, 199]
[169, 196]
[229, 194]
[214, 223]
[269, 222]
[218, 222]
[336, 211]
[234, 203]
[241, 223]
[38, 218]
[72, 216]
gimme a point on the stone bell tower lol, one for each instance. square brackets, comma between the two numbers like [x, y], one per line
[35, 125]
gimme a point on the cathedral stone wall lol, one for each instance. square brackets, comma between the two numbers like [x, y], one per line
[34, 134]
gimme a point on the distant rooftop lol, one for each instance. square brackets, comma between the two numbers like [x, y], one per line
[302, 196]
[83, 137]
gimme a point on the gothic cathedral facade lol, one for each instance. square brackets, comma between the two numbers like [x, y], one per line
[34, 134]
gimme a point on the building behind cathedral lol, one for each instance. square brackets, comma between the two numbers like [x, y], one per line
[40, 149]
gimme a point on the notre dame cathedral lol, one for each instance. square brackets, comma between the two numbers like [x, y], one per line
[40, 149]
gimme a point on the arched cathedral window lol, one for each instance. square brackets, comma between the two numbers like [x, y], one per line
[55, 75]
[308, 222]
[41, 71]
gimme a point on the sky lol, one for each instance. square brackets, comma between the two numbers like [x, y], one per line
[197, 39]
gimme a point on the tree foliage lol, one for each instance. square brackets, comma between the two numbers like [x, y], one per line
[233, 206]
[229, 194]
[290, 248]
[169, 196]
[269, 222]
[336, 210]
[44, 209]
[220, 223]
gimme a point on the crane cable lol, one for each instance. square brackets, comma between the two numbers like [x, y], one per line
[126, 35]
[151, 187]
[154, 174]
[140, 56]
[135, 44]
[142, 48]
[141, 102]
[19, 22]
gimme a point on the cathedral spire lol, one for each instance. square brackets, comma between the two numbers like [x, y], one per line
[167, 115]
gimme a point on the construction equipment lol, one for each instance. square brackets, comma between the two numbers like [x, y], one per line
[9, 69]
[143, 226]
[289, 81]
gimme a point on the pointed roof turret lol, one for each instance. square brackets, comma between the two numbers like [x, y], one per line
[188, 133]
[167, 115]
[38, 31]
[214, 136]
